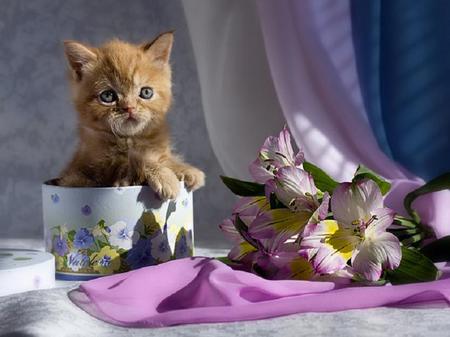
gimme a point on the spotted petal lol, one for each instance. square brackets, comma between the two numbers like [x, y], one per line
[295, 187]
[260, 172]
[383, 218]
[374, 254]
[275, 153]
[329, 247]
[355, 201]
[278, 150]
[250, 206]
[319, 214]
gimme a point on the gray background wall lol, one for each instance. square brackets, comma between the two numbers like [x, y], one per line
[37, 121]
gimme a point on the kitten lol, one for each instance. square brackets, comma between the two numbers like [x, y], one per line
[122, 93]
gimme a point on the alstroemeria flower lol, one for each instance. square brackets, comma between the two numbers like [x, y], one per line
[328, 247]
[246, 209]
[275, 153]
[284, 263]
[295, 188]
[277, 231]
[359, 233]
[271, 257]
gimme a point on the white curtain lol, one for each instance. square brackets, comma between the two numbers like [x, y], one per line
[239, 100]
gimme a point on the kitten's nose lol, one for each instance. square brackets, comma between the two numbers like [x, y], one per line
[129, 109]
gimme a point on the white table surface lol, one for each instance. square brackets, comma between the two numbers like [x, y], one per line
[51, 313]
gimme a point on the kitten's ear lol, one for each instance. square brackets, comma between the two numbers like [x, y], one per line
[159, 49]
[79, 57]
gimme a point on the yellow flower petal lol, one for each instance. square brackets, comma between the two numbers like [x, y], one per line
[106, 261]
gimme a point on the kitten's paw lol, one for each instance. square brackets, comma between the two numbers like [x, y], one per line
[164, 182]
[193, 178]
[122, 182]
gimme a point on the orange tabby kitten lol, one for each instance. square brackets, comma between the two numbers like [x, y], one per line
[122, 93]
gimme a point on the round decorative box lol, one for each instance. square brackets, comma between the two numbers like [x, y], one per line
[24, 270]
[94, 231]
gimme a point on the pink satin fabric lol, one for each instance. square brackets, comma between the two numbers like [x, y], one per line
[204, 290]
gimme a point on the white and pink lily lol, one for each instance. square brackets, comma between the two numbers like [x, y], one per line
[273, 256]
[275, 153]
[295, 188]
[358, 233]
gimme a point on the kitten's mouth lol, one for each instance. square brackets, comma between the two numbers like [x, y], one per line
[127, 125]
[130, 119]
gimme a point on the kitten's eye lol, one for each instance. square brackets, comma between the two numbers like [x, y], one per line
[146, 93]
[108, 96]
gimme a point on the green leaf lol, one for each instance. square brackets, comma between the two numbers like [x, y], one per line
[322, 180]
[242, 228]
[71, 235]
[439, 250]
[243, 188]
[413, 240]
[404, 222]
[363, 172]
[414, 267]
[102, 244]
[409, 232]
[404, 233]
[437, 184]
[224, 259]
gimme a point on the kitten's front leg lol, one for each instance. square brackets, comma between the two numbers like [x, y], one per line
[161, 179]
[123, 177]
[193, 178]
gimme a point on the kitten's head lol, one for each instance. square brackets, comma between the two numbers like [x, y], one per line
[119, 87]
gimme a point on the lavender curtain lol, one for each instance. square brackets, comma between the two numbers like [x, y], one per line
[310, 49]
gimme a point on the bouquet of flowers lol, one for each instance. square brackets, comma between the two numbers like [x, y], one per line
[296, 222]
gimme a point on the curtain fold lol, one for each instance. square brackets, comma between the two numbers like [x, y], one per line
[402, 50]
[310, 51]
[311, 55]
[239, 101]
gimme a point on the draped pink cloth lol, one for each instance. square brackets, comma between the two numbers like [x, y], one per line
[204, 290]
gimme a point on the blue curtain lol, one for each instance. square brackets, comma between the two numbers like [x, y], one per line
[402, 52]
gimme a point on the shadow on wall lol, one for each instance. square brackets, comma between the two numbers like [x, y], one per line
[16, 334]
[37, 128]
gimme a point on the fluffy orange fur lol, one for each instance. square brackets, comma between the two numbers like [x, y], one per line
[122, 93]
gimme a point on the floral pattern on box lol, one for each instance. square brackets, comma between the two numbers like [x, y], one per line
[118, 247]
